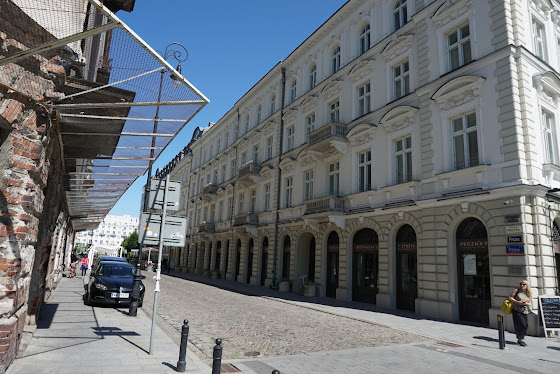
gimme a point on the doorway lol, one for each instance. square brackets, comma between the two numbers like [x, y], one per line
[365, 266]
[407, 264]
[251, 252]
[332, 264]
[264, 261]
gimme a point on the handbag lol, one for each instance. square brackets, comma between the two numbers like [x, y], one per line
[507, 306]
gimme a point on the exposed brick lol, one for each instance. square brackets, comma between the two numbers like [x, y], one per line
[4, 267]
[10, 109]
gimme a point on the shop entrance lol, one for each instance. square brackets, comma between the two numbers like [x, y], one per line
[286, 258]
[237, 260]
[332, 264]
[251, 252]
[218, 256]
[407, 275]
[365, 266]
[264, 261]
[473, 271]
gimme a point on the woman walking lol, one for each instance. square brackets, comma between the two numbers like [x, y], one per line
[521, 298]
[85, 261]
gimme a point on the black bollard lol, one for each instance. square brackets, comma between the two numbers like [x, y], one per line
[182, 363]
[275, 372]
[501, 332]
[217, 357]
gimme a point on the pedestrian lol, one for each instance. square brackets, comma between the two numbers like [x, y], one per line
[521, 298]
[73, 261]
[85, 261]
[164, 265]
[171, 266]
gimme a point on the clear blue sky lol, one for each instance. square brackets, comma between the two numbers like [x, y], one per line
[231, 44]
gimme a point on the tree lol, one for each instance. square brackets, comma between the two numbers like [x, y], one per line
[131, 242]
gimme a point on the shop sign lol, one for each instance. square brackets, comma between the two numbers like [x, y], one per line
[364, 247]
[513, 229]
[516, 218]
[515, 239]
[515, 249]
[473, 244]
[406, 246]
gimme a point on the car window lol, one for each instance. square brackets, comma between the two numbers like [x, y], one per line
[117, 271]
[100, 271]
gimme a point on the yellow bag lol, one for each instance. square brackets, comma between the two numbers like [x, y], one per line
[507, 306]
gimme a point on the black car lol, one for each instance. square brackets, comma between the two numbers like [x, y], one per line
[97, 260]
[111, 283]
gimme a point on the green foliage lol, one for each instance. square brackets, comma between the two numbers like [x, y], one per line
[131, 242]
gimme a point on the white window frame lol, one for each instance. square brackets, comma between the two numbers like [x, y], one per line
[405, 153]
[539, 38]
[333, 171]
[309, 124]
[241, 203]
[266, 198]
[313, 76]
[256, 154]
[459, 45]
[253, 201]
[273, 104]
[464, 134]
[289, 188]
[334, 111]
[259, 114]
[335, 59]
[269, 147]
[293, 90]
[401, 82]
[400, 10]
[365, 38]
[364, 99]
[290, 138]
[549, 137]
[308, 177]
[365, 183]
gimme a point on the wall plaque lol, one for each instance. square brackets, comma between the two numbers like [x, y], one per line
[515, 249]
[515, 239]
[515, 218]
[513, 229]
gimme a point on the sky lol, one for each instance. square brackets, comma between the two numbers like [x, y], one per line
[232, 44]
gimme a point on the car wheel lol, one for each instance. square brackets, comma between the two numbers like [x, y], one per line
[89, 302]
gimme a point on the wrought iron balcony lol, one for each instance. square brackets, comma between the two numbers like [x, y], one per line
[249, 219]
[321, 139]
[325, 204]
[249, 172]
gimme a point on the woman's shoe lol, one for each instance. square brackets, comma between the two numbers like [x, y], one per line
[522, 343]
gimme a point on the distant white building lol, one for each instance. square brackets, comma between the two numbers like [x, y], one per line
[110, 233]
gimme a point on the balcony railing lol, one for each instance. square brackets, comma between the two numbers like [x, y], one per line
[250, 168]
[325, 204]
[206, 227]
[210, 188]
[332, 129]
[246, 219]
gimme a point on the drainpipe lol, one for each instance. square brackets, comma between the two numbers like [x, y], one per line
[279, 183]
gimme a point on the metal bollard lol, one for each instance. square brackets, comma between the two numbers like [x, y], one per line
[217, 357]
[501, 331]
[275, 372]
[182, 363]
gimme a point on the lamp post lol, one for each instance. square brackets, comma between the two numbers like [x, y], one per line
[173, 51]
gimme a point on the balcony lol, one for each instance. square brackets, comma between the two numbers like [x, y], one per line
[246, 222]
[249, 173]
[325, 204]
[324, 138]
[209, 192]
[207, 229]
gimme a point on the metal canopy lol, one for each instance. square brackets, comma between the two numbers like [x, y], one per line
[115, 84]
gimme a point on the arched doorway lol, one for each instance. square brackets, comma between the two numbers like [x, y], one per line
[201, 257]
[305, 259]
[407, 264]
[237, 260]
[226, 259]
[218, 256]
[365, 266]
[251, 252]
[332, 264]
[473, 268]
[195, 257]
[264, 261]
[287, 248]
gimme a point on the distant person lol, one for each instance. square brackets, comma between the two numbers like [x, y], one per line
[85, 262]
[73, 261]
[171, 266]
[164, 266]
[521, 298]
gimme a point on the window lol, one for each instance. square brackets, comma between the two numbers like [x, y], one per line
[289, 186]
[236, 132]
[400, 16]
[256, 154]
[313, 76]
[223, 173]
[403, 159]
[290, 135]
[539, 40]
[220, 210]
[233, 168]
[364, 171]
[459, 47]
[334, 112]
[273, 104]
[293, 90]
[230, 207]
[243, 158]
[308, 187]
[548, 129]
[246, 124]
[309, 124]
[364, 39]
[241, 203]
[227, 138]
[211, 151]
[266, 203]
[253, 201]
[334, 178]
[363, 99]
[215, 181]
[259, 113]
[465, 141]
[401, 80]
[336, 60]
[269, 148]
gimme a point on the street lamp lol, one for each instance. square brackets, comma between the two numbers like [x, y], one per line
[179, 53]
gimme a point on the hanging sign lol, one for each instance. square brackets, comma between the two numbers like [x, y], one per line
[469, 264]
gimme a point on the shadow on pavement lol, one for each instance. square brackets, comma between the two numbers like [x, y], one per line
[47, 315]
[493, 340]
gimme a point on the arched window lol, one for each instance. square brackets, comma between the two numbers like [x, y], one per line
[313, 76]
[273, 104]
[293, 90]
[335, 61]
[259, 112]
[400, 15]
[364, 39]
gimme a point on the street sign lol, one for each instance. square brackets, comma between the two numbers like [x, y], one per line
[173, 231]
[157, 189]
[515, 249]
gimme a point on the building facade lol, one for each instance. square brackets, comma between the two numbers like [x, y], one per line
[405, 154]
[110, 233]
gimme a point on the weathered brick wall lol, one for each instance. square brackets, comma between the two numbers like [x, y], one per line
[31, 196]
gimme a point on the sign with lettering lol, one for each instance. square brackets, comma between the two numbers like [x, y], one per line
[550, 312]
[515, 239]
[406, 246]
[473, 244]
[515, 249]
[516, 218]
[513, 229]
[364, 247]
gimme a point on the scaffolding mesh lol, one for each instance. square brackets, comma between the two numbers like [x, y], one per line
[114, 88]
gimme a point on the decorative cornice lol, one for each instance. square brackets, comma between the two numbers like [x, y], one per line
[548, 87]
[458, 91]
[398, 46]
[332, 89]
[399, 118]
[451, 10]
[361, 70]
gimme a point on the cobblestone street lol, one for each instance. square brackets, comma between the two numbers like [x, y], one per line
[256, 324]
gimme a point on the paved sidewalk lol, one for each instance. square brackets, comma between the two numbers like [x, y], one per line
[74, 338]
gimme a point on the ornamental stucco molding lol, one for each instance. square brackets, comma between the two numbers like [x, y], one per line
[399, 118]
[308, 103]
[360, 71]
[361, 134]
[400, 45]
[266, 172]
[269, 127]
[451, 10]
[548, 88]
[458, 91]
[542, 8]
[332, 89]
[290, 115]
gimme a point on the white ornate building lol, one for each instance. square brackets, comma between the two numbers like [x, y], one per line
[405, 154]
[110, 233]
